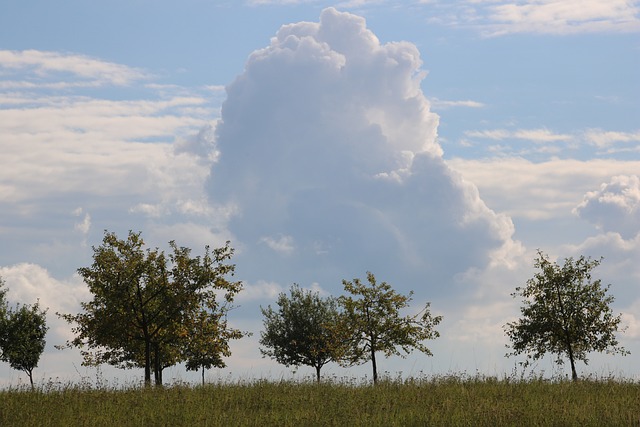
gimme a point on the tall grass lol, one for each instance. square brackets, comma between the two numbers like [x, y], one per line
[454, 400]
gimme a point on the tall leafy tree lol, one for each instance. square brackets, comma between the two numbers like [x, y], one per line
[144, 302]
[23, 337]
[373, 323]
[302, 330]
[564, 312]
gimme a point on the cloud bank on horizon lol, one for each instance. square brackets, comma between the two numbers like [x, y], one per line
[323, 162]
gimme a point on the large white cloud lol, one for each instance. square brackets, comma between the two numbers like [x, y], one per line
[326, 138]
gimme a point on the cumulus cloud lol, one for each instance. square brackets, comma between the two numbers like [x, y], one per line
[327, 139]
[201, 145]
[615, 206]
[85, 225]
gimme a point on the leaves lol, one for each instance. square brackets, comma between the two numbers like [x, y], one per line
[302, 331]
[22, 337]
[564, 312]
[373, 323]
[152, 310]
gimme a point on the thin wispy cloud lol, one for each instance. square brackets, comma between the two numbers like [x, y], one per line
[45, 64]
[544, 141]
[502, 17]
[441, 104]
[560, 16]
[534, 135]
[604, 139]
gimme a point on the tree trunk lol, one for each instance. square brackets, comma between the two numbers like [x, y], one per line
[156, 364]
[30, 374]
[318, 373]
[375, 368]
[203, 375]
[574, 374]
[147, 363]
[567, 336]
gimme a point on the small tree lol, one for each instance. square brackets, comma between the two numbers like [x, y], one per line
[373, 323]
[564, 313]
[23, 337]
[208, 340]
[302, 331]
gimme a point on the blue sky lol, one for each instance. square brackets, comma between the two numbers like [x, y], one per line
[437, 144]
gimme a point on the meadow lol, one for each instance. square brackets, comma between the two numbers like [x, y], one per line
[452, 400]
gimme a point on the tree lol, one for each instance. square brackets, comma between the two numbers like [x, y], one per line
[564, 313]
[302, 331]
[144, 303]
[23, 337]
[372, 323]
[208, 340]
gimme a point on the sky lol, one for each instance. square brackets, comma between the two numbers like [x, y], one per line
[438, 144]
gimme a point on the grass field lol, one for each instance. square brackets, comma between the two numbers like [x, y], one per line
[442, 401]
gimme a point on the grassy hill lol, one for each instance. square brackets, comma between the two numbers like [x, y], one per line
[442, 401]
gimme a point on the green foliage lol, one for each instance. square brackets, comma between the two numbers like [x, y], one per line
[22, 334]
[208, 336]
[372, 323]
[564, 313]
[146, 307]
[302, 331]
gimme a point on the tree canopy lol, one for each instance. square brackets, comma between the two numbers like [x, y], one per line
[146, 306]
[372, 323]
[22, 334]
[302, 331]
[564, 312]
[207, 339]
